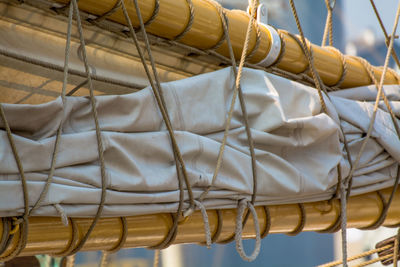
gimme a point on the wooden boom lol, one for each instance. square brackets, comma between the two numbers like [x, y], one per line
[173, 17]
[48, 235]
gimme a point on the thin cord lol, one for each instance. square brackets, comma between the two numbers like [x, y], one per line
[161, 104]
[98, 134]
[387, 38]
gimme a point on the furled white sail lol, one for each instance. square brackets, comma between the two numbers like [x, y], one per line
[297, 146]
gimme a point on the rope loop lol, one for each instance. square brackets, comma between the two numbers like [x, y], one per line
[243, 204]
[6, 237]
[190, 23]
[170, 237]
[207, 230]
[258, 40]
[268, 222]
[219, 227]
[154, 14]
[72, 243]
[302, 223]
[344, 67]
[123, 237]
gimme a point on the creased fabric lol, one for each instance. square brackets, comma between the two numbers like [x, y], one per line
[297, 146]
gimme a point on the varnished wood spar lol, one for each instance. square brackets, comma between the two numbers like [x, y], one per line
[49, 235]
[206, 31]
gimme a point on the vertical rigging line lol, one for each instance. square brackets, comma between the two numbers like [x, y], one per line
[98, 133]
[387, 38]
[162, 104]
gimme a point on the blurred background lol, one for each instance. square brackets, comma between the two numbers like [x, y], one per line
[356, 32]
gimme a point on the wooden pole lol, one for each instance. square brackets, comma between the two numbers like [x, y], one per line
[48, 235]
[173, 17]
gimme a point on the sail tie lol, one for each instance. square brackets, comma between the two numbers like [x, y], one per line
[243, 204]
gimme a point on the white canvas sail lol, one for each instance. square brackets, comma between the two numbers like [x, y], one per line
[298, 147]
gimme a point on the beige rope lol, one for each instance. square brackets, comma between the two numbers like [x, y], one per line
[309, 55]
[239, 227]
[373, 261]
[344, 68]
[355, 257]
[328, 24]
[59, 130]
[104, 258]
[160, 99]
[207, 230]
[387, 38]
[180, 166]
[347, 181]
[122, 240]
[156, 261]
[232, 105]
[98, 132]
[396, 248]
[74, 240]
[190, 23]
[70, 261]
[219, 227]
[300, 226]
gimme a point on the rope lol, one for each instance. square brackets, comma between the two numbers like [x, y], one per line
[378, 97]
[23, 221]
[122, 240]
[219, 227]
[6, 237]
[258, 40]
[72, 242]
[302, 222]
[98, 132]
[59, 130]
[237, 90]
[358, 256]
[154, 14]
[321, 87]
[344, 67]
[386, 205]
[106, 14]
[207, 230]
[308, 52]
[63, 215]
[161, 104]
[104, 258]
[160, 99]
[238, 231]
[159, 40]
[343, 223]
[156, 261]
[396, 248]
[268, 222]
[70, 261]
[190, 23]
[373, 261]
[387, 38]
[328, 24]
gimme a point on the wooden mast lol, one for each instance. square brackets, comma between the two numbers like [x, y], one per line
[206, 30]
[48, 235]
